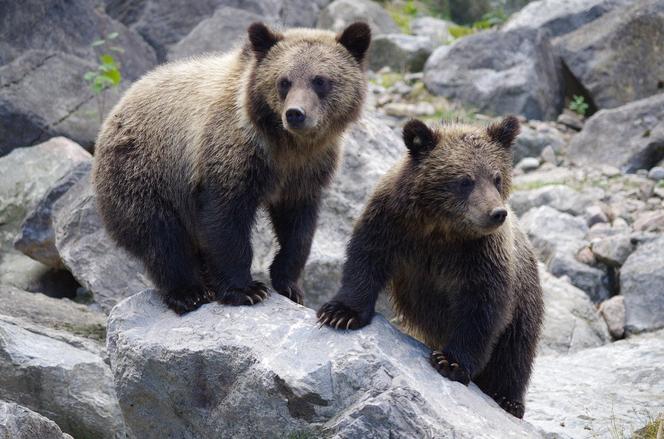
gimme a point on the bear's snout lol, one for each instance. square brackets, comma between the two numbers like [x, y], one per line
[497, 216]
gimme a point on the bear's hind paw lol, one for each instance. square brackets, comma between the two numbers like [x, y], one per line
[184, 301]
[449, 367]
[514, 408]
[294, 293]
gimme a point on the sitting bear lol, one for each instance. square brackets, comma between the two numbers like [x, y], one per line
[438, 233]
[193, 150]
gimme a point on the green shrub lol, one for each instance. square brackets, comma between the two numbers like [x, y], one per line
[579, 105]
[107, 74]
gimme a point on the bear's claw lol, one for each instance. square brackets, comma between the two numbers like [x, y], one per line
[294, 293]
[514, 408]
[255, 293]
[449, 367]
[338, 316]
[184, 301]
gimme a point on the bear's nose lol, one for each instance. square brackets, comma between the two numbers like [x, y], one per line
[498, 215]
[295, 116]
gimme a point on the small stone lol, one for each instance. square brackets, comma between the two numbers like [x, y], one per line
[548, 155]
[594, 214]
[642, 172]
[609, 171]
[613, 250]
[656, 173]
[571, 119]
[650, 222]
[528, 164]
[586, 256]
[613, 311]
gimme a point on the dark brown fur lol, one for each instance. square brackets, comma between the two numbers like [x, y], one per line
[439, 235]
[194, 148]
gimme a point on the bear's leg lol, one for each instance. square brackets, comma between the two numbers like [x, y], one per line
[173, 264]
[505, 377]
[294, 224]
[224, 230]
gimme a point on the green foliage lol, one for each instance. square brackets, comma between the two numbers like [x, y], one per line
[107, 74]
[491, 19]
[579, 105]
[402, 14]
[409, 8]
[461, 31]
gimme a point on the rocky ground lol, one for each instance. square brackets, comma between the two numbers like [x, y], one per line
[589, 191]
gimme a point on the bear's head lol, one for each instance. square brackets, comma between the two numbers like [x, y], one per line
[308, 82]
[461, 174]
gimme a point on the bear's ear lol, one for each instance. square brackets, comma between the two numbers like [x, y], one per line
[505, 131]
[419, 138]
[262, 39]
[356, 39]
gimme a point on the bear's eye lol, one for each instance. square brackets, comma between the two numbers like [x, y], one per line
[497, 180]
[321, 85]
[284, 85]
[465, 185]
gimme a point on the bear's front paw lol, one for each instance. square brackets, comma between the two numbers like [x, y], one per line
[339, 316]
[293, 292]
[514, 408]
[449, 367]
[254, 293]
[182, 301]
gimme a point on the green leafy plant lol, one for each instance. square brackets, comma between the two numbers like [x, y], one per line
[579, 105]
[409, 8]
[107, 74]
[491, 19]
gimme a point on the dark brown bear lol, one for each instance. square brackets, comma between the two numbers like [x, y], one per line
[195, 147]
[438, 232]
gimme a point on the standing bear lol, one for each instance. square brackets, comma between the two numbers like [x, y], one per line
[188, 155]
[438, 232]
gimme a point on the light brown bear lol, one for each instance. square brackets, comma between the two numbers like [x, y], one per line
[193, 149]
[439, 234]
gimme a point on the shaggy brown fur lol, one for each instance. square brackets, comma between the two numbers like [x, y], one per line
[194, 148]
[439, 234]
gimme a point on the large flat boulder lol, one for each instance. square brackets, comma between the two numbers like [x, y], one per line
[617, 58]
[599, 392]
[60, 376]
[269, 370]
[630, 137]
[500, 72]
[17, 422]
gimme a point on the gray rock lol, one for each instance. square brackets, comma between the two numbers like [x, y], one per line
[400, 52]
[642, 285]
[86, 250]
[434, 29]
[557, 237]
[44, 52]
[613, 311]
[560, 197]
[561, 17]
[629, 137]
[43, 94]
[533, 140]
[340, 13]
[25, 176]
[59, 314]
[649, 222]
[596, 392]
[571, 119]
[224, 30]
[239, 372]
[571, 321]
[499, 72]
[595, 214]
[629, 37]
[613, 250]
[66, 383]
[370, 149]
[17, 422]
[402, 109]
[37, 237]
[528, 164]
[656, 173]
[45, 25]
[162, 23]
